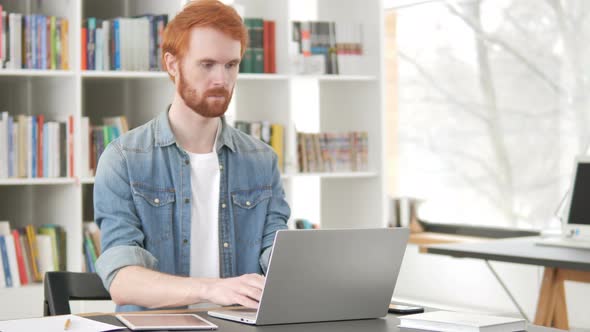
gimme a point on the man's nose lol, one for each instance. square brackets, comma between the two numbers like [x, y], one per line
[219, 75]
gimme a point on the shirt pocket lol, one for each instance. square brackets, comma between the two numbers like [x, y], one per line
[155, 208]
[249, 212]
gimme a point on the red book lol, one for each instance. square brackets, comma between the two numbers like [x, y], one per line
[1, 32]
[22, 271]
[272, 51]
[40, 121]
[71, 144]
[266, 45]
[84, 44]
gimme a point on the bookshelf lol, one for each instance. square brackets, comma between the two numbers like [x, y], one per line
[331, 103]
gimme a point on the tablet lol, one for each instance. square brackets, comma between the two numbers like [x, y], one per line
[143, 322]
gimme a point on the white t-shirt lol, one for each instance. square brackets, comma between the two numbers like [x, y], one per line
[205, 176]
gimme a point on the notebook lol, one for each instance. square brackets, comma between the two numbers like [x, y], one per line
[461, 322]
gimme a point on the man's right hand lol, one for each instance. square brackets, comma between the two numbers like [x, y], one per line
[244, 290]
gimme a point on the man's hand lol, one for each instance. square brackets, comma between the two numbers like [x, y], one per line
[245, 290]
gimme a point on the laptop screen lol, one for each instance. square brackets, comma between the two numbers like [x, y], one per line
[579, 208]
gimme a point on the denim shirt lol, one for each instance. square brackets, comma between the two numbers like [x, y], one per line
[142, 196]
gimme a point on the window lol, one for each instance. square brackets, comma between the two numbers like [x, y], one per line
[493, 107]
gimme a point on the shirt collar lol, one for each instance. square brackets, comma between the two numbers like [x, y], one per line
[165, 137]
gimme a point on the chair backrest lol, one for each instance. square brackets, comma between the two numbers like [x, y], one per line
[61, 287]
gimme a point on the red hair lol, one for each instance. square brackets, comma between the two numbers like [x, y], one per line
[201, 14]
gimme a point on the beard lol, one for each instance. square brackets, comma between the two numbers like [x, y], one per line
[200, 103]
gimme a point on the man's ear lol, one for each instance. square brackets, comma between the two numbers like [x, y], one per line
[172, 65]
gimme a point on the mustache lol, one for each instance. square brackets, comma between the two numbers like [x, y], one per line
[216, 92]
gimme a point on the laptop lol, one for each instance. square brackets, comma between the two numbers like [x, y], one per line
[327, 275]
[575, 227]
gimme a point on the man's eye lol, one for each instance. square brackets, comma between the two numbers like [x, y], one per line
[207, 65]
[231, 65]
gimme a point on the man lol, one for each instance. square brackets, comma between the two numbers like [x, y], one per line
[188, 207]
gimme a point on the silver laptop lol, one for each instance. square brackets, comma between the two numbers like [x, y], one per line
[327, 275]
[575, 227]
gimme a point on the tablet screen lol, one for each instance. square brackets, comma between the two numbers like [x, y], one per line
[165, 321]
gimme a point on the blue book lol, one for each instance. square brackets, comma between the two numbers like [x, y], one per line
[116, 26]
[91, 43]
[34, 146]
[43, 26]
[5, 262]
[34, 41]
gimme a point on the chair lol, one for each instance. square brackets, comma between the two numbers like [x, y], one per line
[61, 287]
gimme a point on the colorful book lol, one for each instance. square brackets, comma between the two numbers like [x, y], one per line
[20, 258]
[5, 262]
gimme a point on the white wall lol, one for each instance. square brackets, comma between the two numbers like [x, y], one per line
[468, 285]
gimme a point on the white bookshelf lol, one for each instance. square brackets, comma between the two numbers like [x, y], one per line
[332, 102]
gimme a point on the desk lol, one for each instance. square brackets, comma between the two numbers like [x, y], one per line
[386, 324]
[560, 264]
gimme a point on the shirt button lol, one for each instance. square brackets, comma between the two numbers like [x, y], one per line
[226, 245]
[186, 161]
[221, 167]
[156, 200]
[248, 203]
[185, 241]
[223, 205]
[186, 200]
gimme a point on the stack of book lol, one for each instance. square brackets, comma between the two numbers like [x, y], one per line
[327, 47]
[260, 55]
[33, 41]
[96, 138]
[271, 134]
[123, 43]
[91, 245]
[333, 152]
[31, 147]
[27, 253]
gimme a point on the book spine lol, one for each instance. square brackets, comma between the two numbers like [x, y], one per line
[40, 123]
[64, 44]
[91, 43]
[53, 43]
[84, 45]
[22, 271]
[5, 262]
[2, 37]
[33, 252]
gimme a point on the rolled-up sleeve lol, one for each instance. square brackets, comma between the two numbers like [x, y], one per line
[122, 238]
[276, 217]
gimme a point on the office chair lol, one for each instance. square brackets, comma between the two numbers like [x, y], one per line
[61, 287]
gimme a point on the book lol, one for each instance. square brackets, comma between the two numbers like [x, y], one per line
[5, 261]
[34, 252]
[461, 322]
[12, 262]
[20, 258]
[46, 261]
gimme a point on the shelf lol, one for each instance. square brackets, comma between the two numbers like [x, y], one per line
[334, 175]
[338, 78]
[241, 77]
[264, 77]
[89, 180]
[123, 74]
[36, 181]
[36, 73]
[33, 287]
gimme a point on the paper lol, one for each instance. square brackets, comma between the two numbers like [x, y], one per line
[55, 324]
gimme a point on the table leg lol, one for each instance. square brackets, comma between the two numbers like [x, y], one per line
[545, 304]
[560, 314]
